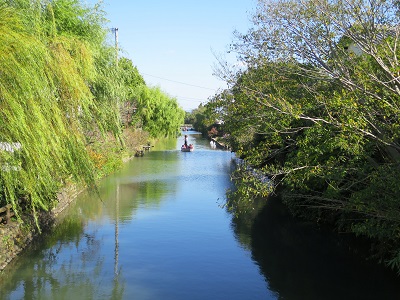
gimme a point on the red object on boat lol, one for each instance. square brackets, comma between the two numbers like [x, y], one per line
[189, 148]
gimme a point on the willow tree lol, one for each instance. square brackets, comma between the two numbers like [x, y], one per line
[47, 66]
[317, 108]
[160, 114]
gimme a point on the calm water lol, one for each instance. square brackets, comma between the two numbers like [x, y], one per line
[156, 231]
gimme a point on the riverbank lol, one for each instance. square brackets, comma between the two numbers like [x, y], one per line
[219, 144]
[99, 249]
[16, 235]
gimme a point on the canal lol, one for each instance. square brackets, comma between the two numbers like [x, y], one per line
[156, 230]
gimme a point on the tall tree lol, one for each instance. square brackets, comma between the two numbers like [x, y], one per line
[161, 115]
[47, 61]
[317, 108]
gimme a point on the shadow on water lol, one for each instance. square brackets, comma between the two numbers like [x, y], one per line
[300, 261]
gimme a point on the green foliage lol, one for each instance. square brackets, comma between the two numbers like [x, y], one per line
[189, 118]
[106, 154]
[250, 184]
[160, 115]
[108, 92]
[320, 118]
[61, 97]
[36, 114]
[199, 119]
[130, 77]
[50, 66]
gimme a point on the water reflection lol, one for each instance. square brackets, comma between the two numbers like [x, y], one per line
[155, 231]
[301, 262]
[65, 265]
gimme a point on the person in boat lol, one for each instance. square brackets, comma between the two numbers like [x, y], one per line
[186, 141]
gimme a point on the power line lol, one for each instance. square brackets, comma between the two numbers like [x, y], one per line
[201, 87]
[190, 99]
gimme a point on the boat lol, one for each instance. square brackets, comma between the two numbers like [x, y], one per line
[189, 148]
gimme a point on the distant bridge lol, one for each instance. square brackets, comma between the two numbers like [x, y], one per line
[185, 127]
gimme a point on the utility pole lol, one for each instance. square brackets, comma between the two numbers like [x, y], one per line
[115, 31]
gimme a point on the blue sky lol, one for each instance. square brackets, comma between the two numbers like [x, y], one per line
[171, 42]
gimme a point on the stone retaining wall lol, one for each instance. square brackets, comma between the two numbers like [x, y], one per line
[15, 236]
